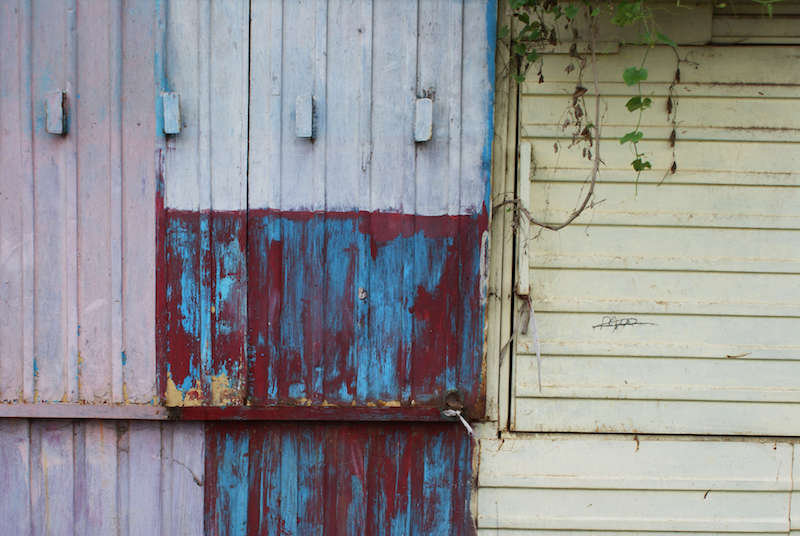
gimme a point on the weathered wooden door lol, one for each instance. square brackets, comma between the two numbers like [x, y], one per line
[319, 249]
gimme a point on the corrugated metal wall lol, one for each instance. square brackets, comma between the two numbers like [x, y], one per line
[77, 211]
[343, 270]
[135, 477]
[101, 477]
[300, 252]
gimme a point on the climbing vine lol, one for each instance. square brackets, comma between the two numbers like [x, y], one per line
[542, 26]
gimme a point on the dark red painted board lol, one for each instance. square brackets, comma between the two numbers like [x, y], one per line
[337, 479]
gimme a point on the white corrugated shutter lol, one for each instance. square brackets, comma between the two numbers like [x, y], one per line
[672, 306]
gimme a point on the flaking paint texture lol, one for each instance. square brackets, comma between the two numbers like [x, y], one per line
[337, 478]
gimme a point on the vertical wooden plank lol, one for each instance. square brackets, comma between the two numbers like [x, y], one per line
[477, 121]
[302, 189]
[16, 204]
[439, 160]
[228, 449]
[264, 191]
[263, 516]
[266, 55]
[348, 167]
[503, 188]
[477, 103]
[15, 476]
[304, 73]
[206, 171]
[394, 80]
[124, 481]
[349, 111]
[183, 451]
[393, 178]
[96, 477]
[52, 478]
[95, 127]
[228, 66]
[55, 352]
[439, 78]
[311, 467]
[144, 504]
[500, 254]
[142, 43]
[186, 188]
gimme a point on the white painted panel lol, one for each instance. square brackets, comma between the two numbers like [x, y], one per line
[363, 156]
[656, 378]
[394, 81]
[207, 54]
[689, 249]
[303, 184]
[728, 162]
[656, 416]
[349, 101]
[667, 308]
[477, 101]
[671, 292]
[707, 65]
[439, 78]
[265, 100]
[551, 484]
[665, 335]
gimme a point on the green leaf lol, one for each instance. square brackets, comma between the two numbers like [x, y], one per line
[646, 102]
[524, 18]
[595, 12]
[634, 103]
[520, 78]
[633, 137]
[634, 75]
[503, 33]
[519, 50]
[532, 56]
[640, 165]
[666, 40]
[628, 12]
[571, 11]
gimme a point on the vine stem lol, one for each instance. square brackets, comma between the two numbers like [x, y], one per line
[595, 162]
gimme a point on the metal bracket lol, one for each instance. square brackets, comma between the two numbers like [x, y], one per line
[55, 114]
[304, 116]
[171, 103]
[423, 120]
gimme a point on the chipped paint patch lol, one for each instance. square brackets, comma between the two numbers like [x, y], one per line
[346, 308]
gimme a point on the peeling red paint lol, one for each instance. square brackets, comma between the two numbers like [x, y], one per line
[337, 478]
[341, 308]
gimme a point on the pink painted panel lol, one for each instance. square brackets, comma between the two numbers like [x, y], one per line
[101, 477]
[77, 210]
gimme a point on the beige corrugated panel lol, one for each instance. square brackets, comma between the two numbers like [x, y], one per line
[746, 21]
[699, 273]
[557, 485]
